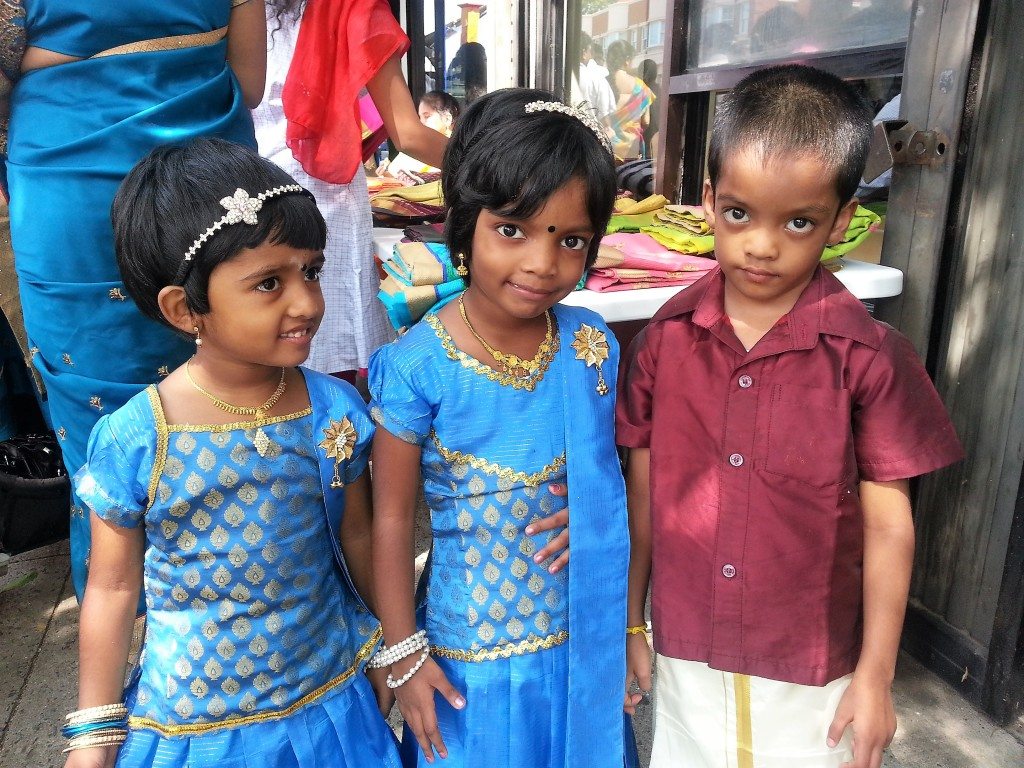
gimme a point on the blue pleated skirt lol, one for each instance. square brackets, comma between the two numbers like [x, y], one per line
[342, 729]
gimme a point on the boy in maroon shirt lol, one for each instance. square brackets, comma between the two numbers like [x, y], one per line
[773, 426]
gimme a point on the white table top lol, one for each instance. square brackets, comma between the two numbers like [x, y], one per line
[865, 281]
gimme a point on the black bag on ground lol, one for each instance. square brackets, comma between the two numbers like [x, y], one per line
[35, 493]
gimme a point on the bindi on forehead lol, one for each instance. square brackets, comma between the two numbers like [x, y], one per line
[551, 228]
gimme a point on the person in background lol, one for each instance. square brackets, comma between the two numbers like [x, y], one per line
[320, 56]
[648, 72]
[772, 427]
[437, 110]
[594, 88]
[98, 86]
[633, 103]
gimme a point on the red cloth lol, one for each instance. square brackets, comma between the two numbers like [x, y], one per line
[755, 462]
[342, 44]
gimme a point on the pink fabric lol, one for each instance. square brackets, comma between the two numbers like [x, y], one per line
[605, 280]
[642, 251]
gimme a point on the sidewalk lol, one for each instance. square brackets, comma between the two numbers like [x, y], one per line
[39, 665]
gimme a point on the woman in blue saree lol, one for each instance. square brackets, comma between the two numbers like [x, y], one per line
[101, 84]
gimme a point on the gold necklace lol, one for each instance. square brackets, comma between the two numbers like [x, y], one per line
[259, 412]
[511, 363]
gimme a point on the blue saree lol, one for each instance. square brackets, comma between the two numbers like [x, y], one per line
[75, 130]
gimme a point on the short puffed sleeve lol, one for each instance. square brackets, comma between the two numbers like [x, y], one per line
[360, 418]
[113, 483]
[398, 391]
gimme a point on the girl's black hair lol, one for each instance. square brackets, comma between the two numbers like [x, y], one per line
[173, 195]
[510, 161]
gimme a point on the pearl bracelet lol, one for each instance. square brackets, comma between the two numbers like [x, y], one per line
[392, 683]
[389, 655]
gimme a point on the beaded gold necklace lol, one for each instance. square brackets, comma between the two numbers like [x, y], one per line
[513, 365]
[259, 412]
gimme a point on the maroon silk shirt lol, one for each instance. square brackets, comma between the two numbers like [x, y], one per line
[755, 463]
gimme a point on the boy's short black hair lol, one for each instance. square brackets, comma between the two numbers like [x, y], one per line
[510, 161]
[797, 110]
[442, 101]
[173, 195]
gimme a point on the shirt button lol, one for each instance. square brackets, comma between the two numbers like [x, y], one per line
[736, 460]
[745, 381]
[728, 570]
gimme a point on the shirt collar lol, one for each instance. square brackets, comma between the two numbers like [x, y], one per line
[825, 307]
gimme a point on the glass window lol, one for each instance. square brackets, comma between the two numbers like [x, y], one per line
[736, 32]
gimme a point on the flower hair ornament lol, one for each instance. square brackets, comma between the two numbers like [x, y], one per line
[241, 207]
[581, 113]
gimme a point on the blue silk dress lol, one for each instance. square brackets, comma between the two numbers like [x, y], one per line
[75, 131]
[255, 640]
[499, 625]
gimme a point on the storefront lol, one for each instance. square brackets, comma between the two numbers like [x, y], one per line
[953, 75]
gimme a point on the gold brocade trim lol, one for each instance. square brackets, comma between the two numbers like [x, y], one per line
[533, 479]
[162, 441]
[505, 379]
[170, 43]
[239, 424]
[196, 728]
[502, 651]
[744, 727]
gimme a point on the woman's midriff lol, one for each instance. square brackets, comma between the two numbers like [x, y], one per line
[40, 58]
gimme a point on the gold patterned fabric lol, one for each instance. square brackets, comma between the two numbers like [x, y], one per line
[12, 48]
[244, 622]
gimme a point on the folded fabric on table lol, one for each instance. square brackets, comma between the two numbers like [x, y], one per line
[679, 239]
[627, 206]
[689, 217]
[625, 222]
[425, 233]
[638, 250]
[618, 279]
[863, 223]
[405, 304]
[421, 264]
[419, 193]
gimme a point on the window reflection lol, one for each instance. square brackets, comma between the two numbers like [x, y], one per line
[730, 32]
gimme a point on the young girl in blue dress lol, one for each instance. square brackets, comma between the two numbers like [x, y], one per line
[234, 494]
[490, 399]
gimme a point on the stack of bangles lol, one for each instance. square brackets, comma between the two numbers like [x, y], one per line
[389, 655]
[102, 726]
[639, 629]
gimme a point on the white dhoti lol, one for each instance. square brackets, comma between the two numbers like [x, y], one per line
[704, 718]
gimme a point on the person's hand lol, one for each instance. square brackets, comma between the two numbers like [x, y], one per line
[867, 708]
[638, 671]
[93, 757]
[559, 545]
[385, 696]
[416, 701]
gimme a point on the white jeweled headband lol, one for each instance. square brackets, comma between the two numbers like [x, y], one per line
[240, 207]
[582, 114]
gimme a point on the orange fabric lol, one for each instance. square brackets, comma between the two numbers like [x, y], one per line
[342, 44]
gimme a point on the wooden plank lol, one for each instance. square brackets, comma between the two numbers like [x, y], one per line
[671, 114]
[935, 79]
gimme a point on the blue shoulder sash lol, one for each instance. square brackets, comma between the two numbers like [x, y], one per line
[336, 403]
[599, 539]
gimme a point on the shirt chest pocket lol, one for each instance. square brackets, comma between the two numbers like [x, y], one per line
[809, 435]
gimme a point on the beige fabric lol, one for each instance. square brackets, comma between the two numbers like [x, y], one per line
[705, 718]
[166, 43]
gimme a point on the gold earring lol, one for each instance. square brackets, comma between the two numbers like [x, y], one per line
[199, 342]
[461, 270]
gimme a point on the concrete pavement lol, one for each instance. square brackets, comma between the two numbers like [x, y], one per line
[39, 667]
